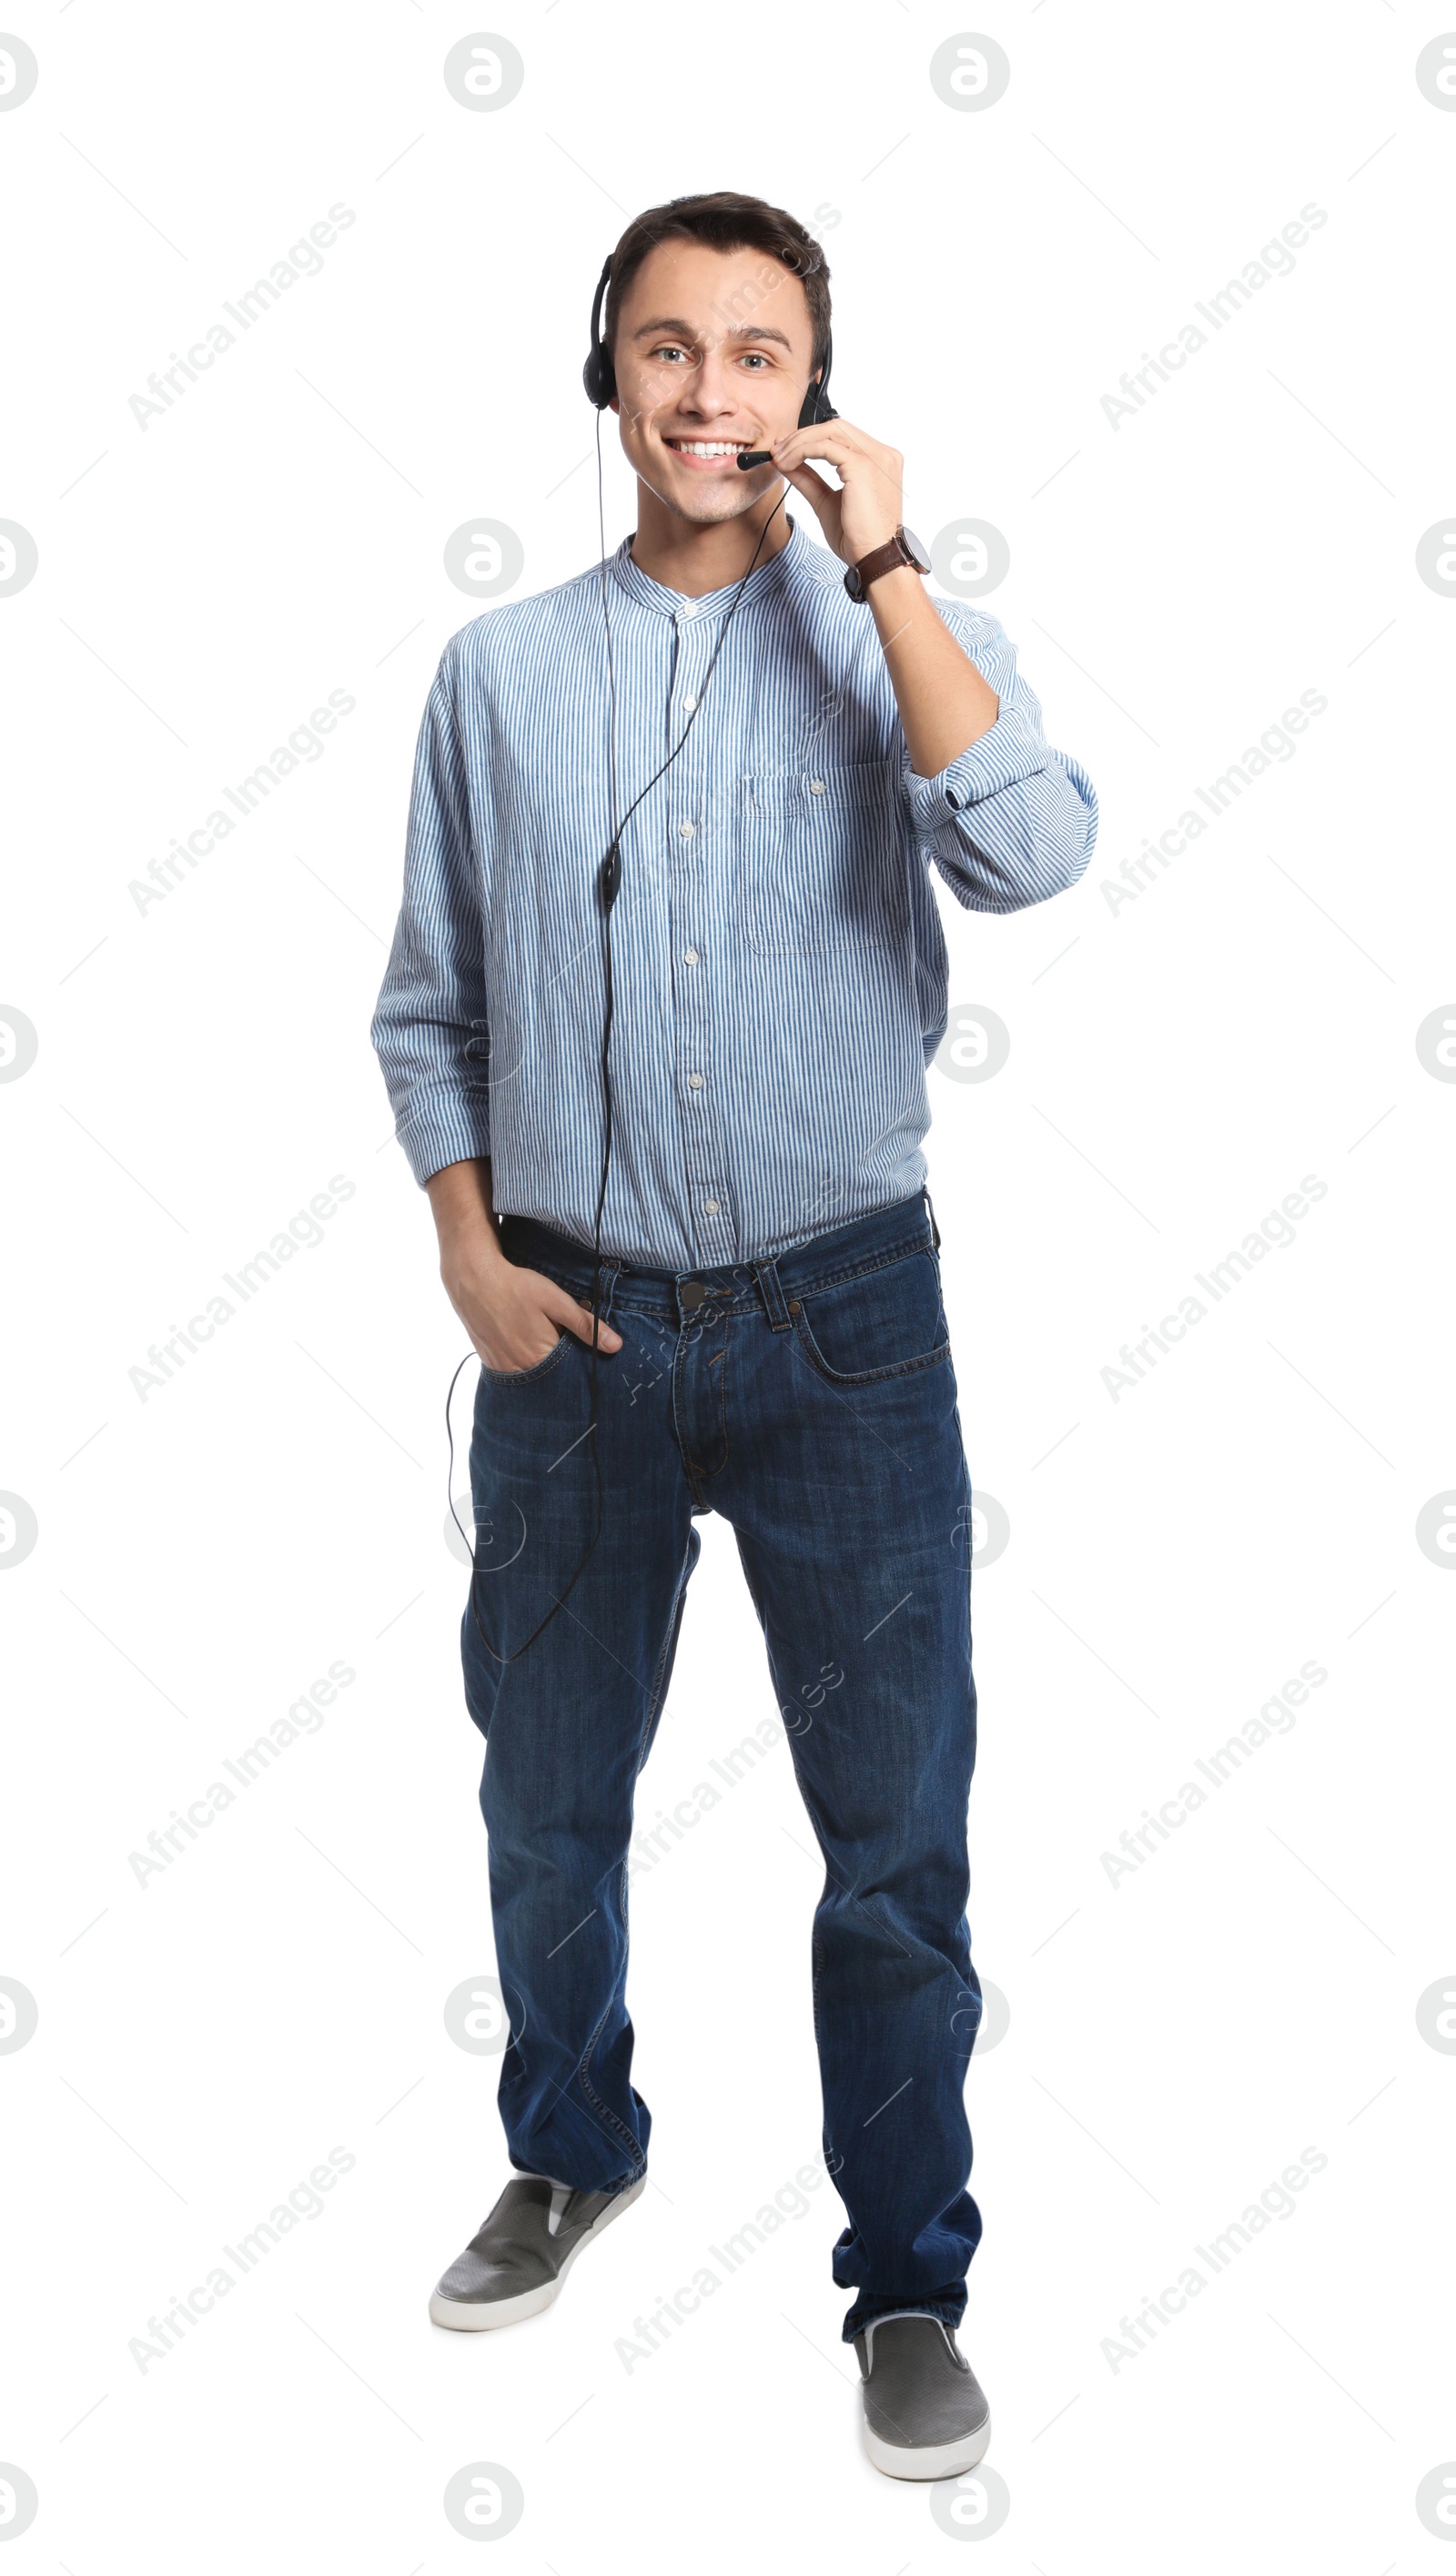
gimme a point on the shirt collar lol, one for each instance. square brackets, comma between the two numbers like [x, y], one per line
[764, 579]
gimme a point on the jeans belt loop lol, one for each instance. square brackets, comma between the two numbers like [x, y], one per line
[930, 1210]
[767, 1275]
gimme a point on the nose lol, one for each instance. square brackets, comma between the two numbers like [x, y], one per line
[710, 390]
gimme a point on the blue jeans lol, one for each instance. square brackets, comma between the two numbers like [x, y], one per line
[811, 1400]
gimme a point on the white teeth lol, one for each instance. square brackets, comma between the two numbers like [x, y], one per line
[708, 447]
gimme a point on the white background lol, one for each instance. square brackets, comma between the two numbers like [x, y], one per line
[1177, 1066]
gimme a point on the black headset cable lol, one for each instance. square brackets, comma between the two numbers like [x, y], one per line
[609, 878]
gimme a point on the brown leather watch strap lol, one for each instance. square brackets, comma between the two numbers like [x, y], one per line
[884, 558]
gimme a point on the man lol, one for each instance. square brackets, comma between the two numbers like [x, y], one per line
[772, 1340]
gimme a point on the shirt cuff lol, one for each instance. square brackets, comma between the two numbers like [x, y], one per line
[1012, 750]
[444, 1127]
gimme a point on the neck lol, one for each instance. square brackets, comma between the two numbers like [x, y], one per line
[696, 556]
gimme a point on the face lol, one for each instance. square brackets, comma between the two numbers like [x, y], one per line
[713, 352]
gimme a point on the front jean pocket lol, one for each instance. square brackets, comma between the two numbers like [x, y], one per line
[524, 1377]
[880, 1323]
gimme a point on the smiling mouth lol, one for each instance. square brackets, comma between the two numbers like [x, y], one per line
[707, 451]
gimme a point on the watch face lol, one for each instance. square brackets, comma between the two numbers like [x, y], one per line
[918, 555]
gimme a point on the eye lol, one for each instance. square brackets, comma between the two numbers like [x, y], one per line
[670, 349]
[756, 356]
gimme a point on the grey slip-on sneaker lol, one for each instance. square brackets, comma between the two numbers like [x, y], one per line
[519, 2256]
[925, 2414]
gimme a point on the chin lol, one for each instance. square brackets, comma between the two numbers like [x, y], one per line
[716, 505]
[713, 502]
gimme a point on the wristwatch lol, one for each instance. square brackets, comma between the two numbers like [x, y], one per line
[904, 547]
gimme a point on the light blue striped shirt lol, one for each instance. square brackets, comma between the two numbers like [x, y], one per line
[778, 962]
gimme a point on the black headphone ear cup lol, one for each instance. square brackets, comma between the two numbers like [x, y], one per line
[599, 378]
[598, 374]
[816, 405]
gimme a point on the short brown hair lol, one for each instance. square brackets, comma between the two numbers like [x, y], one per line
[725, 221]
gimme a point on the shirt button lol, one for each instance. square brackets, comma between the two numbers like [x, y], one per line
[690, 956]
[695, 1082]
[816, 786]
[710, 1207]
[686, 830]
[690, 703]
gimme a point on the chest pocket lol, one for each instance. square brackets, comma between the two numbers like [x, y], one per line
[821, 865]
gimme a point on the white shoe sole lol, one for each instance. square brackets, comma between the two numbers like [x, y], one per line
[934, 2459]
[473, 2316]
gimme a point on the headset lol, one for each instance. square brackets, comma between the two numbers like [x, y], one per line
[599, 377]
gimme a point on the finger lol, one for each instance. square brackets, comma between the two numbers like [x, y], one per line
[578, 1319]
[831, 439]
[851, 457]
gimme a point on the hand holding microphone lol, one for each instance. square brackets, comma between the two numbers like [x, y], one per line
[866, 510]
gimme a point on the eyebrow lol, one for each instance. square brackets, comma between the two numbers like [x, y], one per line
[740, 330]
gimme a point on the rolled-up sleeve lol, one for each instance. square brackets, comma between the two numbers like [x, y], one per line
[1009, 821]
[431, 1027]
